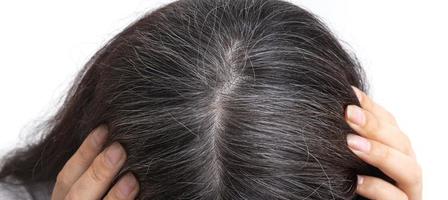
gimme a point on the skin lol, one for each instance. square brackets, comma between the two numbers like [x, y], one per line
[382, 144]
[89, 173]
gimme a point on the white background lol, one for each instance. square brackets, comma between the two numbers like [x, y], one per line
[401, 44]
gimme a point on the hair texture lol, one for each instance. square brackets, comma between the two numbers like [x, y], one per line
[214, 99]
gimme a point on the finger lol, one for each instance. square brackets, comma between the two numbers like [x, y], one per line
[126, 188]
[376, 188]
[400, 167]
[98, 177]
[369, 126]
[376, 109]
[79, 162]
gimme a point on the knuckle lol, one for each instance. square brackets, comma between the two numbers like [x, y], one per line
[372, 126]
[385, 154]
[370, 185]
[381, 154]
[408, 145]
[116, 194]
[113, 194]
[98, 173]
[384, 111]
[405, 138]
[368, 103]
[416, 177]
[70, 196]
[389, 115]
[405, 141]
[392, 118]
[62, 180]
[83, 155]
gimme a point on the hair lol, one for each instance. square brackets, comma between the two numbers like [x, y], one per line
[214, 99]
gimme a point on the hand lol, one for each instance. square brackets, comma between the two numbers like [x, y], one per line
[382, 144]
[89, 172]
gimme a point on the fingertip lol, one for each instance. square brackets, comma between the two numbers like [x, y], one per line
[376, 188]
[355, 114]
[359, 184]
[127, 186]
[103, 127]
[358, 143]
[359, 179]
[100, 135]
[115, 154]
[358, 93]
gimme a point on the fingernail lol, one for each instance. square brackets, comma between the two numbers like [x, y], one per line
[358, 143]
[126, 185]
[355, 115]
[114, 153]
[99, 135]
[360, 179]
[357, 92]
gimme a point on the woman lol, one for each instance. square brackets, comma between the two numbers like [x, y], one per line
[207, 99]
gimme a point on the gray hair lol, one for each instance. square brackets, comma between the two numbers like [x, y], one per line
[216, 99]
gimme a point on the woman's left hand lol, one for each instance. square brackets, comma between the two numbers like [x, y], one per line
[382, 144]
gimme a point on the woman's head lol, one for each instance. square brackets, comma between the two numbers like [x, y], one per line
[215, 99]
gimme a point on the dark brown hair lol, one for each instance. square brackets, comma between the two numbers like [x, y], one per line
[214, 99]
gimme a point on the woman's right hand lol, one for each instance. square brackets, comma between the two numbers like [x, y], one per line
[382, 144]
[89, 172]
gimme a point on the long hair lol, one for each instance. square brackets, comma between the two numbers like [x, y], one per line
[214, 99]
